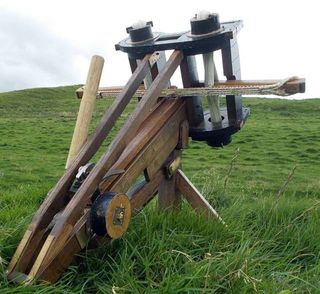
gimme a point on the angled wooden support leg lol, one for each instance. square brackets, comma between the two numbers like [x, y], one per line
[194, 197]
[169, 197]
[56, 199]
[139, 196]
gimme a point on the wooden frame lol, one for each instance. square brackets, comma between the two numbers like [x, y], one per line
[150, 143]
[149, 140]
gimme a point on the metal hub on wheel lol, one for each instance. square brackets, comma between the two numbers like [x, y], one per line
[110, 214]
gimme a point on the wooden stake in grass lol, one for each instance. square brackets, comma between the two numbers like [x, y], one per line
[86, 108]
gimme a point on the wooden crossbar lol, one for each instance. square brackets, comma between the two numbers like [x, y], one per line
[236, 87]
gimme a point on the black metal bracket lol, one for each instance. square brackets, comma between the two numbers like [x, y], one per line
[190, 45]
[206, 35]
[217, 136]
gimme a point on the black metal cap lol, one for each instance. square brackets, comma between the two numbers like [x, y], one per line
[141, 34]
[205, 26]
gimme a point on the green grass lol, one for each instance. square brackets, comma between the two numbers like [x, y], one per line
[272, 242]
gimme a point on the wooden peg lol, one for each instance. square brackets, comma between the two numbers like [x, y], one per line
[86, 108]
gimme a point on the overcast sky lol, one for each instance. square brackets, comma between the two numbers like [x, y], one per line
[50, 43]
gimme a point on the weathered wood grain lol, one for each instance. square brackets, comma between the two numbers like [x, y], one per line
[159, 127]
[75, 207]
[194, 197]
[229, 87]
[56, 199]
[139, 197]
[87, 104]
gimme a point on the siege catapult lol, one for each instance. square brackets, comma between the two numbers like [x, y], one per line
[92, 203]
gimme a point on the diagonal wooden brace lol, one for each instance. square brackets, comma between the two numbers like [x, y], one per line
[57, 197]
[73, 211]
[194, 197]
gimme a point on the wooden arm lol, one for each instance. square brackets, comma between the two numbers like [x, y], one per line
[237, 87]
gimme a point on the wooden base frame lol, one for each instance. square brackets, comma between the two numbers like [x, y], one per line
[150, 144]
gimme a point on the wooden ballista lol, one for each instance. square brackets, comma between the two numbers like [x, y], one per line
[92, 203]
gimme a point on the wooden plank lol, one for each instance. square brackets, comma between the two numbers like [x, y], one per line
[157, 129]
[194, 197]
[87, 104]
[229, 87]
[145, 191]
[72, 247]
[55, 199]
[157, 150]
[139, 197]
[154, 165]
[169, 196]
[184, 135]
[77, 204]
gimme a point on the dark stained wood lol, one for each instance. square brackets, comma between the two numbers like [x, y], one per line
[133, 64]
[232, 71]
[169, 197]
[189, 74]
[194, 197]
[139, 197]
[55, 199]
[157, 129]
[73, 210]
[184, 135]
[156, 151]
[144, 192]
[66, 255]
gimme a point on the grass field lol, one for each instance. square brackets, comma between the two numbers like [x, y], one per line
[265, 185]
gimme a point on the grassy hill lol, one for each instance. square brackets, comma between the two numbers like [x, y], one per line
[265, 185]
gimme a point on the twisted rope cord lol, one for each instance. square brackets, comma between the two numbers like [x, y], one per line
[276, 88]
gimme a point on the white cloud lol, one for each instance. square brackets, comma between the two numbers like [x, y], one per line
[33, 56]
[279, 38]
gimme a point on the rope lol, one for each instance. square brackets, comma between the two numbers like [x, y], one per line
[277, 88]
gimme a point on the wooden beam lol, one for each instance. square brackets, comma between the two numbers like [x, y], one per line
[72, 212]
[194, 197]
[157, 150]
[169, 197]
[145, 191]
[81, 129]
[140, 195]
[244, 87]
[56, 200]
[72, 246]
